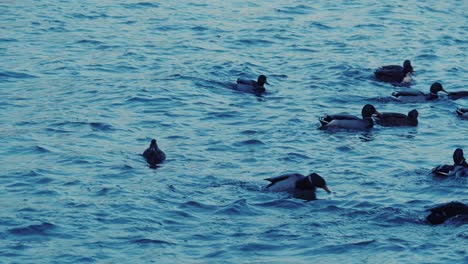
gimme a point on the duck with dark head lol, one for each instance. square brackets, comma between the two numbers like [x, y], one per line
[153, 154]
[252, 86]
[343, 121]
[299, 185]
[415, 96]
[395, 73]
[459, 167]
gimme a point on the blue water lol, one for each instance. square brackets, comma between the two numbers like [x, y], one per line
[85, 85]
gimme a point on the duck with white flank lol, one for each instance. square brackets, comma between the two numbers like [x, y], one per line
[459, 167]
[395, 73]
[441, 213]
[415, 96]
[342, 121]
[301, 186]
[252, 86]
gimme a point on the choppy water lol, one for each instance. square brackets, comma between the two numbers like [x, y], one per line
[85, 85]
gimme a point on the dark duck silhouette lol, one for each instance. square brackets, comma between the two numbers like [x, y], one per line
[415, 96]
[301, 186]
[441, 213]
[395, 73]
[342, 121]
[457, 95]
[459, 167]
[397, 119]
[462, 112]
[252, 86]
[153, 154]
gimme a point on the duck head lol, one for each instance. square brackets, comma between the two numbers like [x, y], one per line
[413, 114]
[368, 110]
[407, 68]
[318, 181]
[154, 144]
[458, 158]
[437, 87]
[262, 80]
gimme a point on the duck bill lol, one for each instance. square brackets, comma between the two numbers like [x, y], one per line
[444, 91]
[377, 113]
[326, 189]
[266, 82]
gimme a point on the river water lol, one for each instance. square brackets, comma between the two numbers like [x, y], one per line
[85, 86]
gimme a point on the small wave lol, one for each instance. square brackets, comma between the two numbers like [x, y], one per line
[8, 40]
[89, 41]
[250, 142]
[200, 28]
[320, 26]
[101, 126]
[239, 207]
[41, 149]
[15, 75]
[41, 230]
[91, 17]
[256, 42]
[141, 5]
[151, 241]
[283, 203]
[295, 10]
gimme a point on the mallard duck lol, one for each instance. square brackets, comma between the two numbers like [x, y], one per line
[252, 86]
[395, 73]
[397, 119]
[153, 154]
[415, 96]
[350, 121]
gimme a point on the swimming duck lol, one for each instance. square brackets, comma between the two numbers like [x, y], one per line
[459, 167]
[463, 112]
[298, 184]
[415, 96]
[350, 121]
[395, 73]
[441, 213]
[397, 119]
[252, 86]
[457, 95]
[153, 154]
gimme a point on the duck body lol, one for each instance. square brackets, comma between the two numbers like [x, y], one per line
[252, 86]
[462, 112]
[395, 73]
[397, 119]
[441, 213]
[153, 154]
[457, 95]
[297, 183]
[415, 96]
[458, 169]
[352, 122]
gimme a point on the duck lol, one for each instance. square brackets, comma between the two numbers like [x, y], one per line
[457, 95]
[341, 121]
[301, 186]
[397, 119]
[415, 96]
[462, 112]
[395, 73]
[153, 154]
[252, 86]
[441, 213]
[458, 169]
